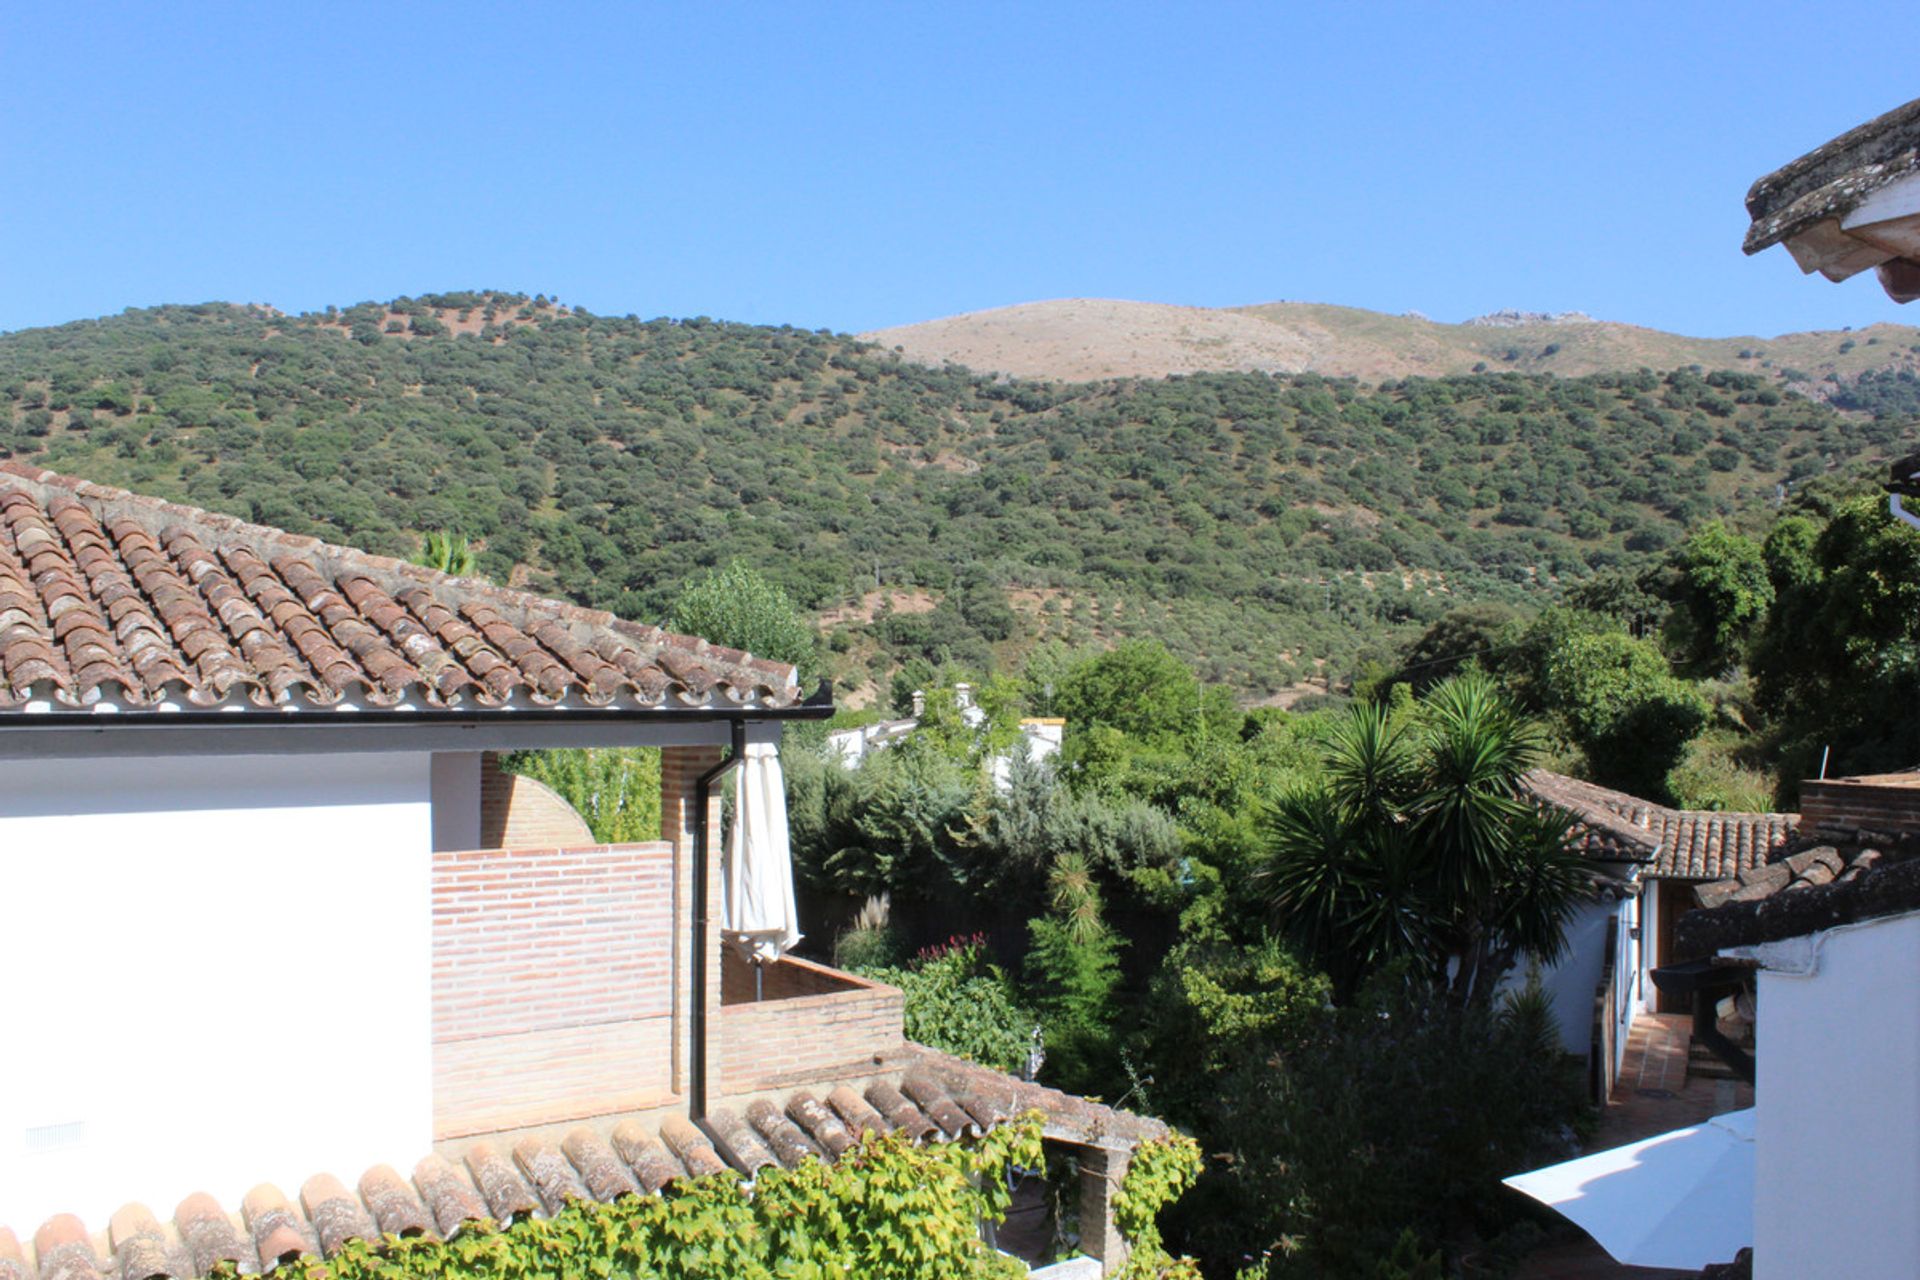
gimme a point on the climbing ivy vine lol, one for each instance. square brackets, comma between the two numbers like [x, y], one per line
[887, 1210]
[1160, 1172]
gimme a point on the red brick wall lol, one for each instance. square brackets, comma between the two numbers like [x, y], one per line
[522, 813]
[1864, 804]
[552, 984]
[789, 1038]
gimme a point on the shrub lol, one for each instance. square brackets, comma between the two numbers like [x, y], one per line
[959, 1003]
[1398, 1113]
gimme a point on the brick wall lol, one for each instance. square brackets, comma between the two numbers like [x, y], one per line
[553, 984]
[680, 768]
[1849, 804]
[522, 813]
[812, 1020]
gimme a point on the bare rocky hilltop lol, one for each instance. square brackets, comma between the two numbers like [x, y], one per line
[1084, 339]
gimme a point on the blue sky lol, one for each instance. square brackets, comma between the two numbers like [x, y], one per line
[852, 166]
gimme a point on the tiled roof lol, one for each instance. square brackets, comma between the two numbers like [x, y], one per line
[109, 597]
[1693, 844]
[1832, 180]
[939, 1099]
[1841, 208]
[1828, 879]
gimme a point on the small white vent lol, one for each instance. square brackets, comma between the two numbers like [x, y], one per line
[56, 1137]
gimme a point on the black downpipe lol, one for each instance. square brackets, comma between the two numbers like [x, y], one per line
[702, 905]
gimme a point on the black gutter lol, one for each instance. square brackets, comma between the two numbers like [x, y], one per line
[702, 904]
[818, 706]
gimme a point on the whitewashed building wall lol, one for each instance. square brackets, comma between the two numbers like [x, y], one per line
[214, 971]
[1837, 1130]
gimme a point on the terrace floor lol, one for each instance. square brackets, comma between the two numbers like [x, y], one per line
[1655, 1093]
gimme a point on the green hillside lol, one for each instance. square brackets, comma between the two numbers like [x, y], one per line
[1269, 528]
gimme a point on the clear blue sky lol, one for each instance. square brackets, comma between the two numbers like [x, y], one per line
[853, 166]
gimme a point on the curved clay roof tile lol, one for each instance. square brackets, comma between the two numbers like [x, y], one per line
[396, 1210]
[449, 1196]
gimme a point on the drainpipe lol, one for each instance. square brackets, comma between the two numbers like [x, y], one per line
[702, 904]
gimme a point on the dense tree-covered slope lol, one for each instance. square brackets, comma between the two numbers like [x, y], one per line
[1257, 523]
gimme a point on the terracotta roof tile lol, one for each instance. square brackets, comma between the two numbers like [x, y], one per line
[652, 1164]
[449, 1196]
[554, 1179]
[736, 1141]
[783, 1137]
[1833, 179]
[336, 1213]
[13, 1260]
[278, 1232]
[108, 595]
[395, 1208]
[508, 1197]
[64, 1251]
[695, 1152]
[1690, 844]
[209, 1236]
[607, 1179]
[142, 1248]
[826, 1129]
[637, 1157]
[899, 1113]
[854, 1110]
[933, 1101]
[1811, 888]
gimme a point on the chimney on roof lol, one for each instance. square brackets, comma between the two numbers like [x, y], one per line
[919, 704]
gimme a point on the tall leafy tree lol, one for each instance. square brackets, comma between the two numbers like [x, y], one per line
[1721, 592]
[738, 606]
[1838, 661]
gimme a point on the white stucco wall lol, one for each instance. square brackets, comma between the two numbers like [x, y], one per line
[1651, 959]
[214, 971]
[1574, 981]
[1837, 1135]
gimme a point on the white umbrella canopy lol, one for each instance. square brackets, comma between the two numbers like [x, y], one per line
[757, 913]
[1682, 1199]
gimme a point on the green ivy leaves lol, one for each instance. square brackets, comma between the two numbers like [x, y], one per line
[887, 1210]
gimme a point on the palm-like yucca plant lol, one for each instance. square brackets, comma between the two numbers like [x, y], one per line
[447, 552]
[1372, 767]
[1544, 881]
[1076, 898]
[1312, 878]
[1418, 847]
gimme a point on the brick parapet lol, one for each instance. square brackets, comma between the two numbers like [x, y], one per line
[552, 973]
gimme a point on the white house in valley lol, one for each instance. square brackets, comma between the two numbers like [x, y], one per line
[273, 915]
[1040, 736]
[1648, 859]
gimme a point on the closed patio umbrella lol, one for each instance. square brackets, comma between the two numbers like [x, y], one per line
[757, 913]
[1682, 1199]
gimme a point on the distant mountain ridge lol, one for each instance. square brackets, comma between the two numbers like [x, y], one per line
[1087, 339]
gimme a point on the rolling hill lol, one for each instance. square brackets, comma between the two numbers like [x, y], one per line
[1269, 528]
[1081, 339]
